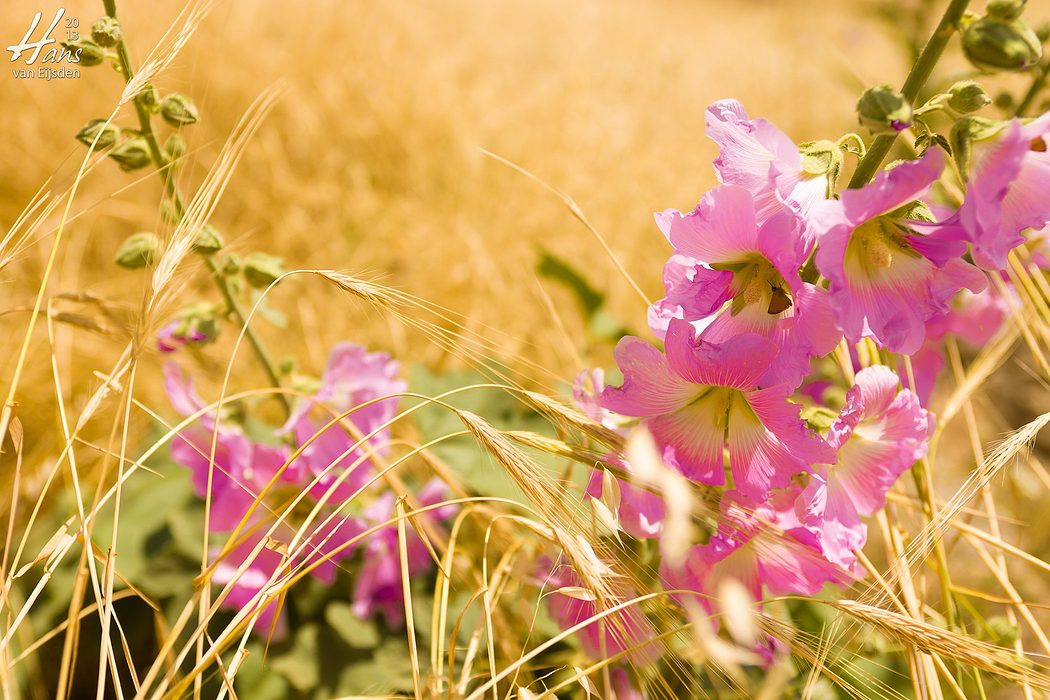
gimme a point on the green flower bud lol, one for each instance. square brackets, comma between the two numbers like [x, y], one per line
[1004, 632]
[178, 110]
[261, 270]
[231, 265]
[85, 51]
[994, 44]
[107, 134]
[883, 110]
[967, 96]
[819, 418]
[822, 158]
[106, 32]
[1004, 100]
[147, 97]
[1005, 9]
[208, 241]
[138, 250]
[132, 154]
[1042, 31]
[168, 212]
[175, 147]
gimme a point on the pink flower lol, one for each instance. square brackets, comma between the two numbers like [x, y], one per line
[242, 467]
[378, 585]
[879, 435]
[764, 546]
[176, 334]
[1006, 193]
[351, 378]
[610, 635]
[887, 280]
[733, 275]
[755, 155]
[701, 396]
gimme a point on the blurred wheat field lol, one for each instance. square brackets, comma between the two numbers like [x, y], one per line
[373, 163]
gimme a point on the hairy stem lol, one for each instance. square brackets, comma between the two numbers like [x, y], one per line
[918, 76]
[167, 175]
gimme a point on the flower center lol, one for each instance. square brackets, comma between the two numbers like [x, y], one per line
[874, 244]
[756, 281]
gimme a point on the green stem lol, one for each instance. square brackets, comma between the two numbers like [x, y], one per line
[918, 76]
[166, 172]
[1033, 91]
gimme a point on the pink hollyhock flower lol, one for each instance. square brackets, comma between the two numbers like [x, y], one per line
[242, 467]
[879, 435]
[175, 334]
[887, 280]
[755, 155]
[733, 275]
[611, 635]
[351, 378]
[702, 396]
[320, 549]
[378, 585]
[768, 546]
[1006, 193]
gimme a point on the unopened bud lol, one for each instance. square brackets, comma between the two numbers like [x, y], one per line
[1042, 31]
[819, 418]
[138, 250]
[965, 132]
[821, 158]
[196, 324]
[147, 97]
[106, 32]
[178, 110]
[1004, 631]
[85, 52]
[132, 154]
[175, 147]
[208, 241]
[98, 133]
[262, 270]
[1005, 9]
[967, 96]
[995, 44]
[883, 110]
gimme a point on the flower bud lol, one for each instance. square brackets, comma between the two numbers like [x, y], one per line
[106, 134]
[965, 132]
[132, 154]
[261, 270]
[821, 158]
[138, 250]
[85, 51]
[175, 147]
[178, 110]
[1005, 9]
[995, 44]
[883, 110]
[967, 96]
[196, 324]
[231, 265]
[106, 32]
[1005, 632]
[818, 417]
[147, 97]
[208, 241]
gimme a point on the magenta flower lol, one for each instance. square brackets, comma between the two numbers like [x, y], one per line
[378, 585]
[610, 635]
[1006, 193]
[755, 155]
[879, 435]
[887, 280]
[176, 334]
[242, 467]
[352, 377]
[733, 275]
[703, 396]
[764, 546]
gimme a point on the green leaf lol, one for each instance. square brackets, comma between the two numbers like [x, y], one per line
[555, 268]
[357, 633]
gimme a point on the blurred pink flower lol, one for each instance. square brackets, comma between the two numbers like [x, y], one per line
[701, 396]
[176, 334]
[887, 280]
